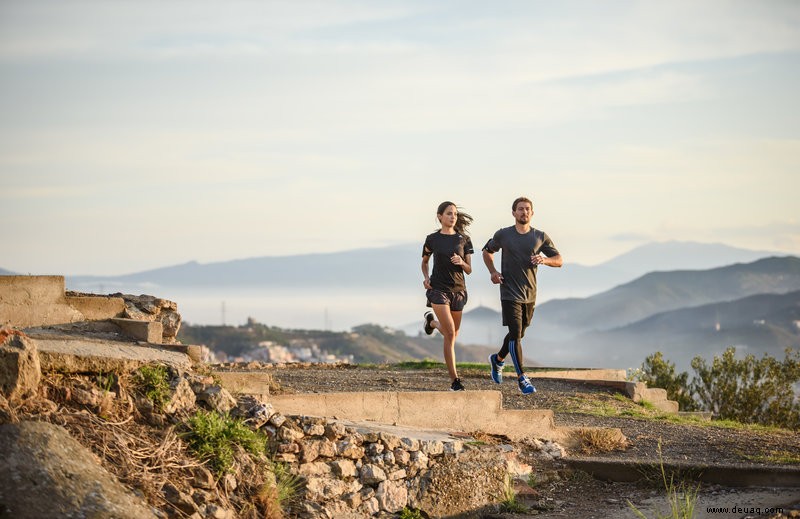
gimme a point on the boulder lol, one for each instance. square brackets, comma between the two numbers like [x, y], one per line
[20, 371]
[47, 473]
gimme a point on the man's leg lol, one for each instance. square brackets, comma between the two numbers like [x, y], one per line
[513, 318]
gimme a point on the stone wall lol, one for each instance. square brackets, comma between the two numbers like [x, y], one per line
[358, 470]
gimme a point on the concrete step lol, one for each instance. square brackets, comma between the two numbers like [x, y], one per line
[639, 392]
[463, 411]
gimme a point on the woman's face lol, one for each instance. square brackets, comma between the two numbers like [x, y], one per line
[449, 217]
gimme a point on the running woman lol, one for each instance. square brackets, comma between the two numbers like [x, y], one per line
[451, 249]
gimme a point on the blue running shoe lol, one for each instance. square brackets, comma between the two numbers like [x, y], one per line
[497, 368]
[525, 385]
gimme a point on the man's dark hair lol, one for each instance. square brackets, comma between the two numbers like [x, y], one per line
[518, 200]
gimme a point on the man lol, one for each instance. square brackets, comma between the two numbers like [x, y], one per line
[524, 249]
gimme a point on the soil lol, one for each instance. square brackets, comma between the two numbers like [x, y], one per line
[562, 492]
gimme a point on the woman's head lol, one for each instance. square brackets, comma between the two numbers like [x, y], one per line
[448, 212]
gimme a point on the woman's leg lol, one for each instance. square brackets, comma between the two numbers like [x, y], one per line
[446, 324]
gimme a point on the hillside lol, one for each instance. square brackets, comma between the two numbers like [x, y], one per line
[663, 291]
[760, 325]
[367, 343]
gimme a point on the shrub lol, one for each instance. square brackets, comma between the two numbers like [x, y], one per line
[153, 382]
[749, 390]
[213, 436]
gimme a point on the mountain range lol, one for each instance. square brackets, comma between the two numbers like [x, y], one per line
[398, 268]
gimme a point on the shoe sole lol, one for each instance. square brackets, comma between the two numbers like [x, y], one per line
[428, 320]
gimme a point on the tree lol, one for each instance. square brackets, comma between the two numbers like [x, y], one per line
[658, 372]
[749, 390]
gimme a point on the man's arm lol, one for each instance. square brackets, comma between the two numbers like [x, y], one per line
[488, 260]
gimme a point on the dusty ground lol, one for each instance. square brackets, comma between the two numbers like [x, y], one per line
[561, 492]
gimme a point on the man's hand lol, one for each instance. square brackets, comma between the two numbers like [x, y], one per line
[497, 278]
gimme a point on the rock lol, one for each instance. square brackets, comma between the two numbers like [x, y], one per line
[217, 512]
[371, 506]
[401, 457]
[277, 420]
[334, 431]
[47, 473]
[348, 449]
[372, 474]
[203, 478]
[392, 496]
[344, 469]
[150, 308]
[322, 489]
[390, 441]
[409, 444]
[178, 499]
[313, 449]
[314, 469]
[431, 447]
[217, 399]
[460, 484]
[20, 371]
[182, 398]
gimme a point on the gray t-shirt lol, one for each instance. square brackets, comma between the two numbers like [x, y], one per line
[519, 274]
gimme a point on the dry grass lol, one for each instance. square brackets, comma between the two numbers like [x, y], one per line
[591, 440]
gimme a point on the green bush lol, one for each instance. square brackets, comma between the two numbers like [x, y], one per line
[213, 437]
[744, 390]
[153, 382]
[749, 390]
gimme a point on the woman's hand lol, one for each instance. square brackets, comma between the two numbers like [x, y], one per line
[427, 283]
[455, 259]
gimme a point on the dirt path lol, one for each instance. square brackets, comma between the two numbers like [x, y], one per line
[565, 493]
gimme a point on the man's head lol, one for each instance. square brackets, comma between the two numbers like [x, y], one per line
[522, 209]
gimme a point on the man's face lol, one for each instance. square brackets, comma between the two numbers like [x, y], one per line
[523, 213]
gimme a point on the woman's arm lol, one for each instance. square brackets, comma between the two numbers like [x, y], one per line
[426, 282]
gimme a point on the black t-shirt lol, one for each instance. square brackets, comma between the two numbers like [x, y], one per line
[446, 276]
[519, 275]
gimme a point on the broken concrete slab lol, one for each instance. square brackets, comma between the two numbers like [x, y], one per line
[147, 331]
[70, 355]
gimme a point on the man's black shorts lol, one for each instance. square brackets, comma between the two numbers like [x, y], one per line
[455, 300]
[515, 312]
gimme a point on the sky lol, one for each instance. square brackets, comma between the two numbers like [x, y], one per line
[136, 135]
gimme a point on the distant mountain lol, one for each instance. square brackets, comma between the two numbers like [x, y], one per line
[663, 291]
[387, 266]
[757, 325]
[575, 280]
[398, 267]
[4, 272]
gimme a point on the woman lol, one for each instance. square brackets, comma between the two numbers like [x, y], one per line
[446, 291]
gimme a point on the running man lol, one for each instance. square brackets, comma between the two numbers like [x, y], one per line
[524, 249]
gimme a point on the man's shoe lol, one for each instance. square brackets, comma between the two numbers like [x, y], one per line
[497, 368]
[457, 385]
[428, 320]
[525, 385]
